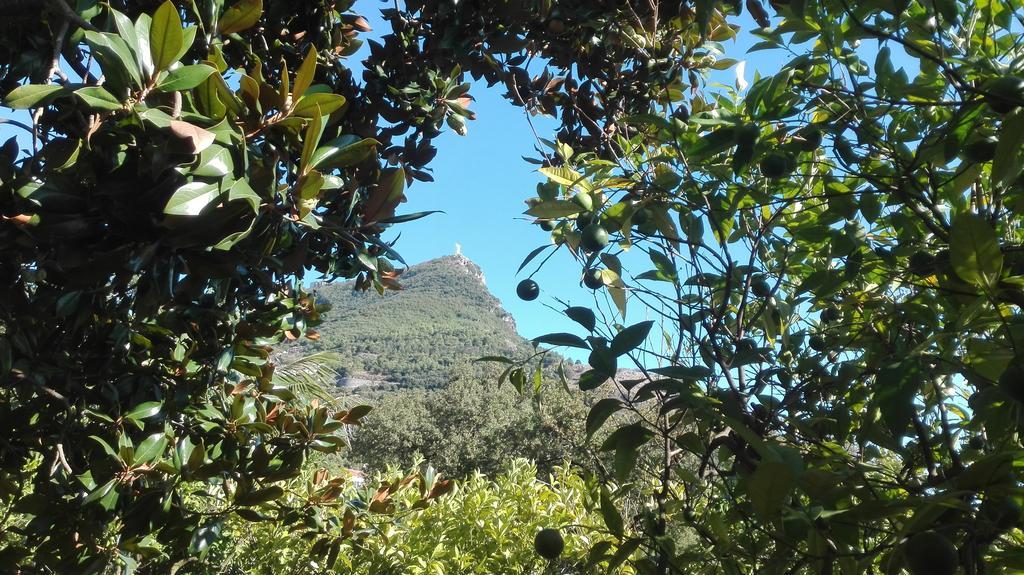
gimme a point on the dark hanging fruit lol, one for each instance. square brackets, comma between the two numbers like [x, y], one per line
[594, 238]
[929, 553]
[592, 278]
[775, 166]
[549, 544]
[528, 290]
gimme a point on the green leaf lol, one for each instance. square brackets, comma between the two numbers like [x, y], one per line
[974, 251]
[106, 447]
[241, 190]
[591, 379]
[98, 98]
[259, 496]
[185, 78]
[600, 413]
[389, 192]
[190, 199]
[343, 152]
[626, 442]
[770, 487]
[144, 53]
[583, 316]
[307, 105]
[151, 448]
[31, 96]
[203, 537]
[562, 339]
[631, 337]
[304, 76]
[166, 36]
[243, 15]
[1006, 165]
[115, 58]
[213, 162]
[554, 209]
[610, 513]
[100, 492]
[533, 254]
[144, 410]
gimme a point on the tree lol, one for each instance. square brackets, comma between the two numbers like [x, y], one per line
[835, 284]
[189, 163]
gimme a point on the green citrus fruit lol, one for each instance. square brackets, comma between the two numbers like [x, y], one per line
[594, 238]
[549, 544]
[641, 217]
[776, 166]
[593, 279]
[528, 290]
[818, 343]
[929, 553]
[1005, 94]
[830, 314]
[761, 288]
[547, 225]
[811, 139]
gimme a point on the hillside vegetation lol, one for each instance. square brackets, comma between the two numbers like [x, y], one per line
[396, 340]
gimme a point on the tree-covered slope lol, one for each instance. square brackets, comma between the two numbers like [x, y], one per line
[442, 319]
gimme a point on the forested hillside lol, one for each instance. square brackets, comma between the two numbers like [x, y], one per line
[442, 320]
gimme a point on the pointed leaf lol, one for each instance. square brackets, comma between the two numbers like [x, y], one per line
[631, 337]
[190, 199]
[304, 76]
[185, 78]
[98, 98]
[31, 96]
[562, 339]
[243, 15]
[974, 251]
[165, 35]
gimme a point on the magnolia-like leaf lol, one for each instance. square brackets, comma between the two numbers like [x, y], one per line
[185, 78]
[323, 103]
[343, 152]
[31, 96]
[1006, 165]
[190, 199]
[304, 76]
[600, 413]
[242, 15]
[98, 98]
[385, 198]
[199, 138]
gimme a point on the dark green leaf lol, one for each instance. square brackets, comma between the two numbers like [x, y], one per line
[631, 337]
[583, 316]
[31, 96]
[562, 339]
[185, 78]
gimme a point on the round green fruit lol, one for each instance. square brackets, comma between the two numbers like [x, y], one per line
[594, 238]
[1012, 381]
[1005, 94]
[593, 278]
[818, 343]
[547, 225]
[929, 553]
[811, 139]
[761, 288]
[583, 220]
[981, 150]
[1003, 512]
[549, 544]
[527, 290]
[830, 314]
[775, 166]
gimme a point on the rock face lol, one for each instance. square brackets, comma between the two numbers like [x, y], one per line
[422, 336]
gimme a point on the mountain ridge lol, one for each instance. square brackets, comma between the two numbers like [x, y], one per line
[424, 335]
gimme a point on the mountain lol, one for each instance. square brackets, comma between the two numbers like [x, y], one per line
[422, 336]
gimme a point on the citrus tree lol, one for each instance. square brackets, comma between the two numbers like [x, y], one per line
[828, 260]
[180, 167]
